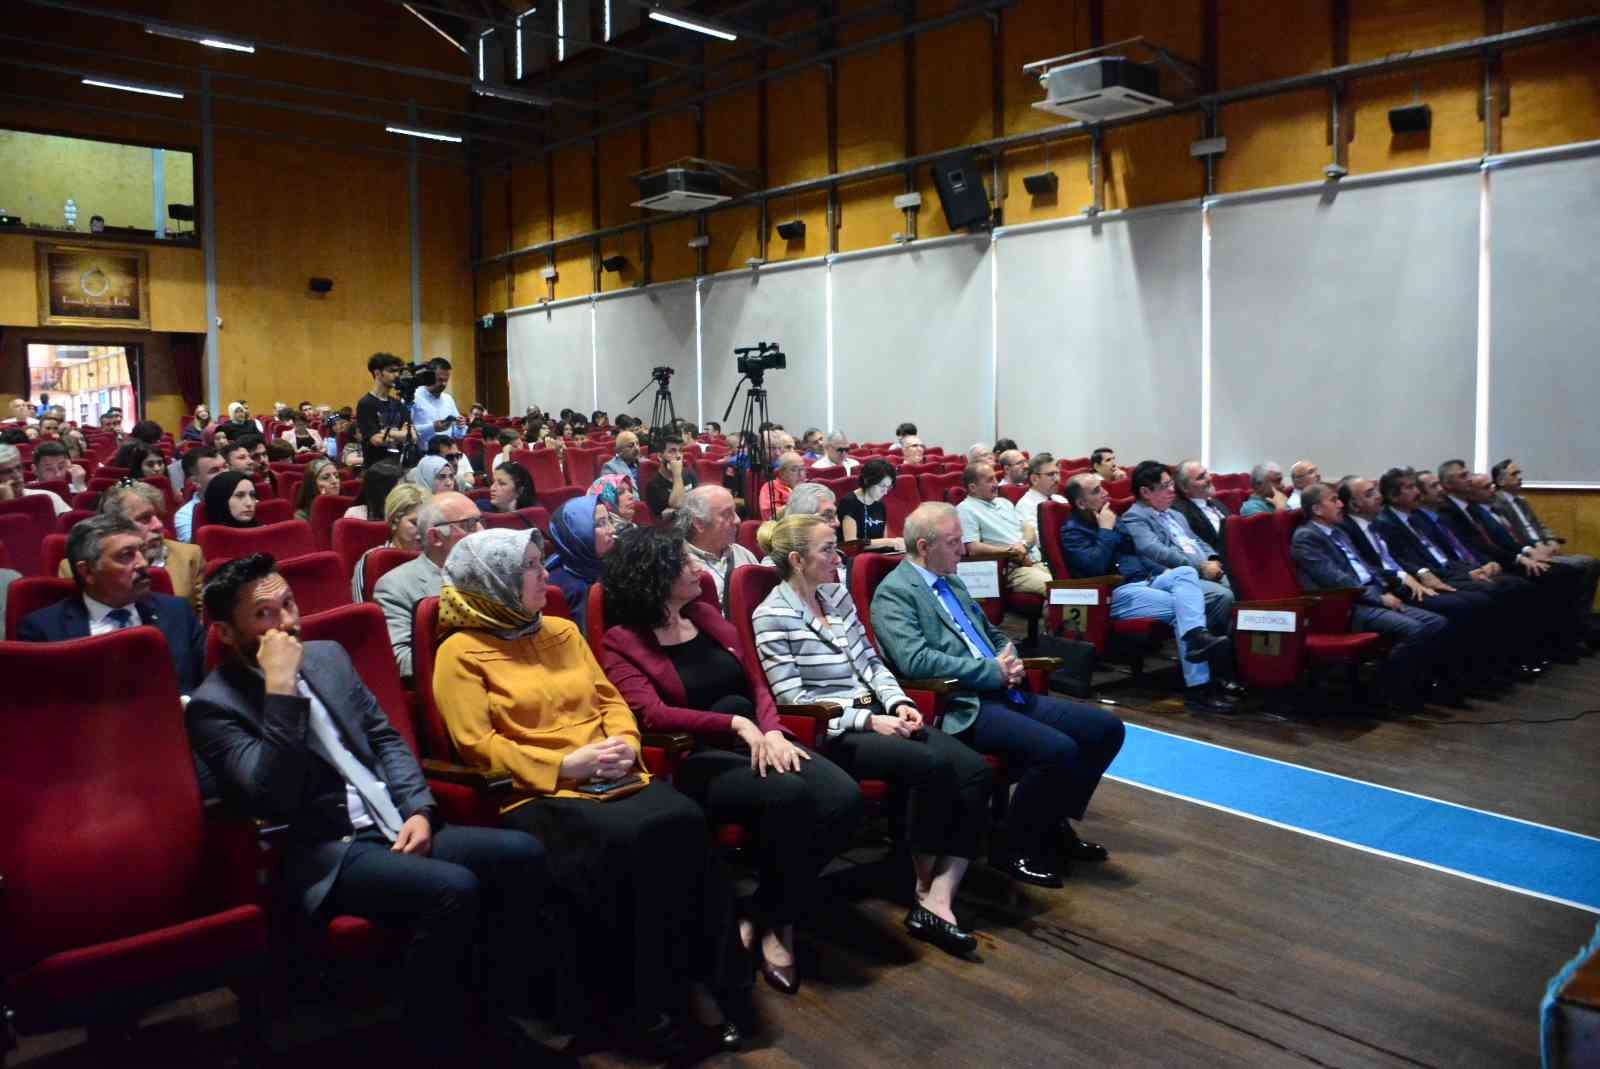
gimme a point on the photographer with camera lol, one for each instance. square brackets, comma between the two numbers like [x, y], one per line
[432, 410]
[382, 419]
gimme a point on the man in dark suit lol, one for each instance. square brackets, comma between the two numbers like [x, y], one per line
[105, 555]
[1327, 560]
[297, 738]
[1514, 510]
[1197, 502]
[928, 626]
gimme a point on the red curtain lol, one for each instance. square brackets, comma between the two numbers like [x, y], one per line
[187, 353]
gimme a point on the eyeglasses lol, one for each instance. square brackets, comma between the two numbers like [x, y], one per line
[470, 524]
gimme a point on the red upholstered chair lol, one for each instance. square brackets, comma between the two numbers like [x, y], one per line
[1119, 505]
[325, 512]
[1012, 493]
[583, 465]
[509, 520]
[544, 465]
[710, 470]
[318, 580]
[1234, 499]
[351, 538]
[59, 487]
[88, 500]
[933, 487]
[924, 468]
[71, 518]
[955, 495]
[648, 466]
[100, 923]
[1131, 638]
[24, 541]
[747, 537]
[537, 516]
[1119, 488]
[379, 563]
[32, 593]
[274, 510]
[1263, 577]
[551, 500]
[480, 495]
[291, 538]
[54, 552]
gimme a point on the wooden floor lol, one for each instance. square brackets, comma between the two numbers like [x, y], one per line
[1208, 940]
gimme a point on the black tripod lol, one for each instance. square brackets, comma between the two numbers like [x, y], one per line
[751, 456]
[663, 417]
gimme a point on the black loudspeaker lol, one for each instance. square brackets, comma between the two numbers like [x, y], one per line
[961, 193]
[321, 285]
[794, 231]
[614, 263]
[1410, 119]
[1041, 185]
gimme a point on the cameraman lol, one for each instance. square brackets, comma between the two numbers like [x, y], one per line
[432, 410]
[381, 415]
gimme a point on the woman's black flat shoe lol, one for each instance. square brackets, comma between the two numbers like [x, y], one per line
[783, 978]
[929, 927]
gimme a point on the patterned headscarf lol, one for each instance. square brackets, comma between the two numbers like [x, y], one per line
[483, 584]
[572, 532]
[428, 470]
[608, 488]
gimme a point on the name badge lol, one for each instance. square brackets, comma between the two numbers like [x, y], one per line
[1265, 620]
[982, 578]
[1083, 595]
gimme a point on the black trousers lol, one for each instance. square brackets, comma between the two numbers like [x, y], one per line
[948, 784]
[1471, 644]
[477, 886]
[651, 904]
[799, 819]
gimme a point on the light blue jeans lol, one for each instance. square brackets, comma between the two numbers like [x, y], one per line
[1174, 597]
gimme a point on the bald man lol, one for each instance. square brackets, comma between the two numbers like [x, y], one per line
[626, 462]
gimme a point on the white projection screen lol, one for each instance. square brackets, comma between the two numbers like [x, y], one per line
[912, 334]
[550, 356]
[1544, 386]
[785, 305]
[1099, 336]
[1344, 327]
[641, 329]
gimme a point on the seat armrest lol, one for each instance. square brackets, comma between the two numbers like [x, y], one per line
[675, 742]
[491, 782]
[814, 710]
[1043, 664]
[1102, 581]
[217, 811]
[1302, 603]
[933, 686]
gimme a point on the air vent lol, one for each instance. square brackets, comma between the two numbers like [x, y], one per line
[678, 189]
[1097, 90]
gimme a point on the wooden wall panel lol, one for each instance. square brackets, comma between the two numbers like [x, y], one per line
[1260, 40]
[1555, 95]
[1452, 92]
[1070, 162]
[491, 290]
[574, 197]
[495, 185]
[178, 289]
[447, 309]
[1383, 27]
[1149, 163]
[619, 157]
[19, 289]
[1275, 141]
[669, 244]
[530, 204]
[867, 215]
[575, 273]
[1034, 31]
[734, 238]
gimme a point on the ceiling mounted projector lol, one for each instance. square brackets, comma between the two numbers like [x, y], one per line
[1095, 90]
[679, 189]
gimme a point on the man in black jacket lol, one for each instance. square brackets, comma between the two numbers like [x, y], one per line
[295, 736]
[1197, 501]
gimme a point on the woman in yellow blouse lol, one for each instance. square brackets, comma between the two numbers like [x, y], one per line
[524, 694]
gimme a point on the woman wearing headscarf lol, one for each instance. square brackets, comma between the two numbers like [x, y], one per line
[524, 694]
[231, 500]
[581, 533]
[434, 474]
[620, 498]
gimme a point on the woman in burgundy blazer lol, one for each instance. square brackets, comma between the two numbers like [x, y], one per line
[677, 664]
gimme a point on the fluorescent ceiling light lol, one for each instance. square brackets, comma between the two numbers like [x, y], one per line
[431, 135]
[691, 24]
[198, 37]
[134, 87]
[501, 93]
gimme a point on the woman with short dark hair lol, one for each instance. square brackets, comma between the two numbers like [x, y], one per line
[678, 665]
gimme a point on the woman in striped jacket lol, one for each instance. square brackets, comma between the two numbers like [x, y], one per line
[814, 649]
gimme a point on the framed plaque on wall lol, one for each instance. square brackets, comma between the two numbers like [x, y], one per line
[89, 286]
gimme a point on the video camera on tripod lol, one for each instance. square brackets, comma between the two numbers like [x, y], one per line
[751, 462]
[413, 376]
[755, 360]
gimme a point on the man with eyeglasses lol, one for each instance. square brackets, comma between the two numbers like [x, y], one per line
[1044, 477]
[1163, 539]
[1197, 501]
[442, 521]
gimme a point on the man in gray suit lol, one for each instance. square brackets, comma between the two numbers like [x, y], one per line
[442, 521]
[1163, 539]
[294, 736]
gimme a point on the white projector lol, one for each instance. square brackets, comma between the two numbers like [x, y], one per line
[1095, 90]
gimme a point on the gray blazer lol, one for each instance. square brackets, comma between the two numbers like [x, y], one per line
[398, 593]
[1155, 544]
[256, 744]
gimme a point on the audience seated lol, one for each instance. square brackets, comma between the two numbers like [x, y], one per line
[376, 482]
[674, 478]
[710, 524]
[774, 493]
[1013, 467]
[617, 494]
[321, 479]
[52, 463]
[1093, 543]
[1103, 462]
[11, 480]
[105, 555]
[813, 648]
[1525, 526]
[901, 433]
[812, 499]
[980, 454]
[1162, 539]
[862, 513]
[993, 529]
[1044, 477]
[510, 489]
[836, 457]
[1302, 473]
[1266, 490]
[581, 534]
[434, 474]
[400, 510]
[200, 464]
[1326, 559]
[912, 451]
[928, 627]
[140, 504]
[1197, 503]
[631, 855]
[442, 521]
[626, 460]
[230, 500]
[261, 473]
[295, 737]
[677, 664]
[448, 449]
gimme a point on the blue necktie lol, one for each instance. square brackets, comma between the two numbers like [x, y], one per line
[1427, 543]
[121, 617]
[1458, 547]
[1383, 549]
[1356, 563]
[974, 633]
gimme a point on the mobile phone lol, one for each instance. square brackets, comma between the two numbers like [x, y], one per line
[609, 785]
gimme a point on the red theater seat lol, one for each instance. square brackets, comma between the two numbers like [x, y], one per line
[291, 538]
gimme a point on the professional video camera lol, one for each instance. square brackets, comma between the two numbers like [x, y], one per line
[413, 376]
[661, 375]
[763, 356]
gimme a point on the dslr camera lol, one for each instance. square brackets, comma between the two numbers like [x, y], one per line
[761, 357]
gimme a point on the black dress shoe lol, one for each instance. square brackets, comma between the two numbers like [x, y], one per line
[782, 978]
[1076, 849]
[1035, 872]
[1208, 701]
[730, 1037]
[1199, 644]
[1231, 689]
[928, 926]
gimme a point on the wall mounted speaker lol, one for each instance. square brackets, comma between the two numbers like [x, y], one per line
[792, 231]
[1411, 119]
[961, 193]
[321, 285]
[614, 263]
[1041, 185]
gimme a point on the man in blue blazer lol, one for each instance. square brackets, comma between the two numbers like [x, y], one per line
[1326, 559]
[928, 627]
[107, 562]
[1162, 539]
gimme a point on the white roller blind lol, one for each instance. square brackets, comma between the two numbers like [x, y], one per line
[1544, 384]
[912, 334]
[550, 358]
[637, 331]
[1099, 337]
[1344, 329]
[773, 304]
